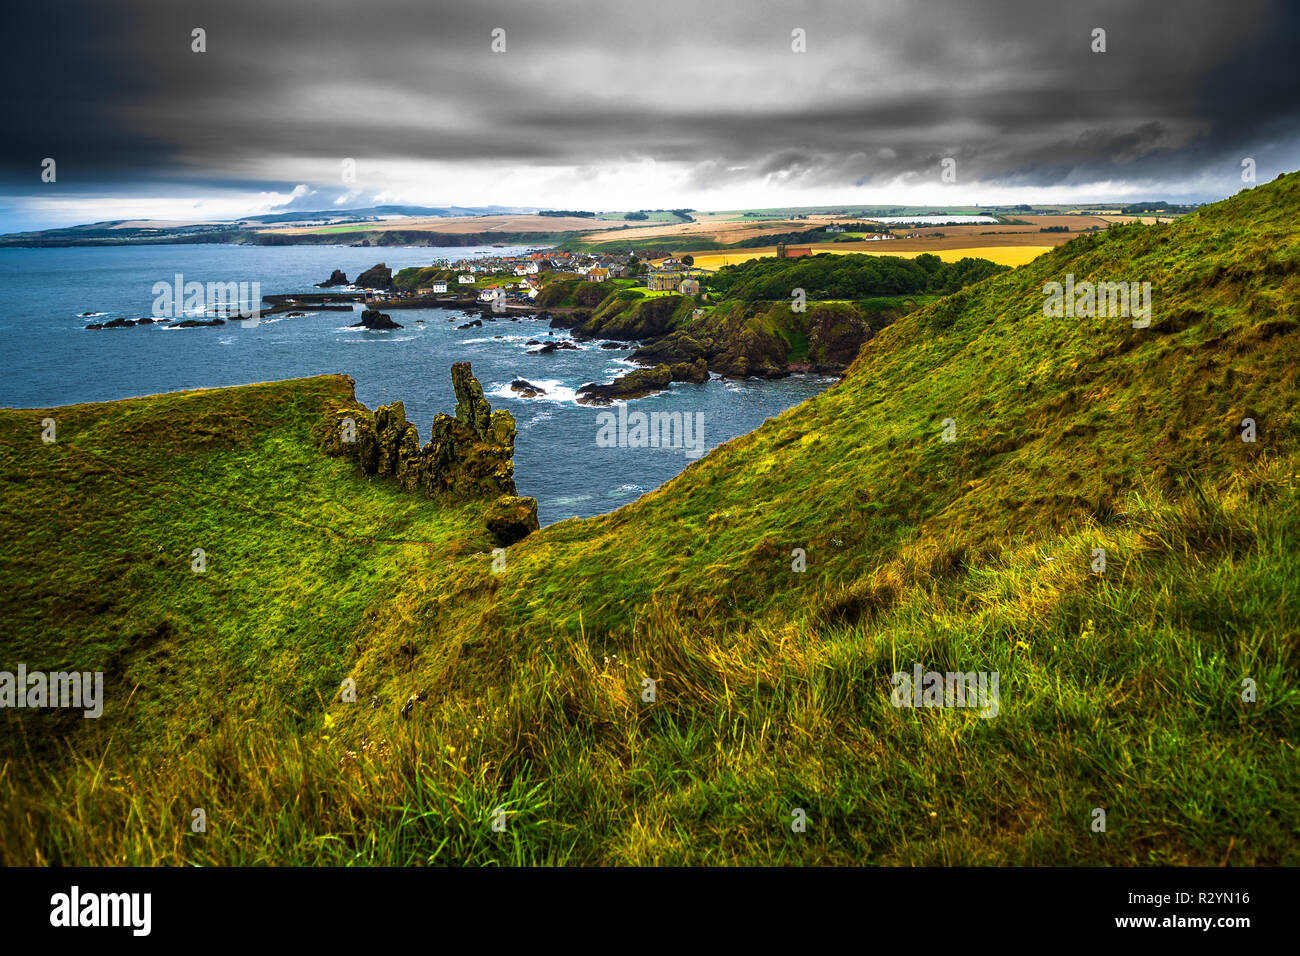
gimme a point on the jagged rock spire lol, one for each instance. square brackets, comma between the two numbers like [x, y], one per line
[468, 456]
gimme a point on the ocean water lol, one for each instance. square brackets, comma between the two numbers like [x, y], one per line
[50, 358]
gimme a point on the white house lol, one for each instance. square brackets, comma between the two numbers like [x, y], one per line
[439, 287]
[465, 280]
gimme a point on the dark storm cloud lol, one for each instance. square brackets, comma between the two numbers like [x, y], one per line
[885, 91]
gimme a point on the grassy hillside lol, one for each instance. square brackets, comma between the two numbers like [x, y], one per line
[98, 565]
[523, 690]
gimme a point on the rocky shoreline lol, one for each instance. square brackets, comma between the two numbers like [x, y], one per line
[642, 382]
[671, 339]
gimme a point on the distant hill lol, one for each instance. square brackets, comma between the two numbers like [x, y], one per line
[124, 232]
[380, 211]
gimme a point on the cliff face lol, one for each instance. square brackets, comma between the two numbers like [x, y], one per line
[468, 455]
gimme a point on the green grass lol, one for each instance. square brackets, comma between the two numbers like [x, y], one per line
[1119, 690]
[99, 532]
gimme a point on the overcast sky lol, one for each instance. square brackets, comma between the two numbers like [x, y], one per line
[619, 105]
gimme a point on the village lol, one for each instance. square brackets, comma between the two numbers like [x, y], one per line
[519, 278]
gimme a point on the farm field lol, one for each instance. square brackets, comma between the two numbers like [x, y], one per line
[1034, 224]
[725, 229]
[1145, 220]
[720, 227]
[449, 224]
[1007, 255]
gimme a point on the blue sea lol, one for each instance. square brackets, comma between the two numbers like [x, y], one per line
[52, 359]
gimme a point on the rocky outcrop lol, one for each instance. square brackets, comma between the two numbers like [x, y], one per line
[642, 382]
[512, 519]
[697, 372]
[337, 277]
[837, 333]
[195, 323]
[526, 389]
[375, 321]
[757, 339]
[551, 347]
[468, 455]
[376, 277]
[675, 347]
[118, 323]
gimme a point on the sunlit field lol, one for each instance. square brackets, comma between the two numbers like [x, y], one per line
[1003, 255]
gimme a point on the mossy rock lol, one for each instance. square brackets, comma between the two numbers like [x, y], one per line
[511, 518]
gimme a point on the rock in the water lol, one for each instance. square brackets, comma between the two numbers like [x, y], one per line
[376, 277]
[119, 323]
[337, 277]
[643, 381]
[696, 372]
[476, 324]
[472, 408]
[195, 323]
[512, 519]
[375, 321]
[526, 389]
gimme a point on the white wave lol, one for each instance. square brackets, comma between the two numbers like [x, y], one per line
[493, 338]
[622, 491]
[569, 499]
[556, 391]
[539, 417]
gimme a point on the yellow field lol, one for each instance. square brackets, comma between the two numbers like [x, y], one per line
[1003, 255]
[1145, 220]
